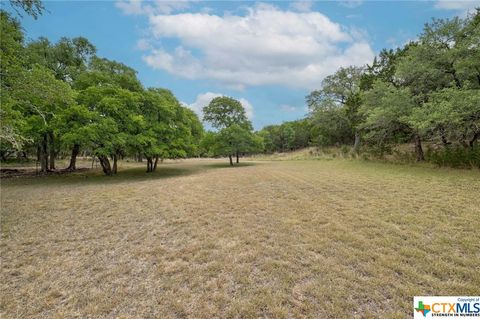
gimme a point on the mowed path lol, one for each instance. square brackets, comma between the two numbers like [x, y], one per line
[300, 239]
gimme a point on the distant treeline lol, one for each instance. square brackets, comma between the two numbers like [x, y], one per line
[425, 91]
[61, 99]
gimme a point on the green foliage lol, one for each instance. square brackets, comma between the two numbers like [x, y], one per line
[33, 8]
[456, 156]
[383, 68]
[452, 114]
[11, 53]
[427, 90]
[224, 111]
[61, 97]
[232, 140]
[115, 118]
[40, 96]
[104, 72]
[170, 130]
[336, 88]
[207, 145]
[330, 126]
[235, 135]
[334, 108]
[67, 58]
[287, 136]
[58, 97]
[386, 110]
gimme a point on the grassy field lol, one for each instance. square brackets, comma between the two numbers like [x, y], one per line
[274, 239]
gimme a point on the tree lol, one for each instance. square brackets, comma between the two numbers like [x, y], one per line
[169, 130]
[102, 72]
[452, 114]
[74, 125]
[228, 115]
[33, 8]
[330, 126]
[443, 74]
[383, 67]
[196, 131]
[287, 137]
[113, 93]
[387, 110]
[67, 58]
[340, 90]
[117, 119]
[41, 98]
[234, 140]
[224, 111]
[11, 64]
[207, 144]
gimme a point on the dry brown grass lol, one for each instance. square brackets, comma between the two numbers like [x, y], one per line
[303, 239]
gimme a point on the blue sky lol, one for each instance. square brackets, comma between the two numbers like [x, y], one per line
[269, 55]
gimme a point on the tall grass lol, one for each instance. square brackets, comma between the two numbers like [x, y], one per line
[453, 156]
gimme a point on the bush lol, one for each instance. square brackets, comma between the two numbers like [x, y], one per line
[377, 151]
[455, 156]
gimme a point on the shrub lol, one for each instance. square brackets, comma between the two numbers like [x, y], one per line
[455, 156]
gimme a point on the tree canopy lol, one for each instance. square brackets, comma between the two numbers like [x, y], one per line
[62, 98]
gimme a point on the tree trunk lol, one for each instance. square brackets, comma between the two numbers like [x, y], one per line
[475, 137]
[237, 157]
[149, 164]
[107, 170]
[44, 154]
[418, 148]
[463, 140]
[140, 158]
[454, 75]
[231, 161]
[155, 164]
[478, 74]
[445, 142]
[114, 168]
[52, 150]
[73, 158]
[356, 144]
[21, 155]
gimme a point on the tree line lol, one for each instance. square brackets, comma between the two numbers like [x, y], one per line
[61, 97]
[426, 91]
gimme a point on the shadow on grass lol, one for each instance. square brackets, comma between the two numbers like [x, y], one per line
[130, 174]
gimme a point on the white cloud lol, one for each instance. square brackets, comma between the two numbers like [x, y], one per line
[139, 7]
[144, 45]
[265, 46]
[131, 7]
[464, 6]
[248, 107]
[351, 3]
[456, 5]
[288, 108]
[302, 5]
[205, 98]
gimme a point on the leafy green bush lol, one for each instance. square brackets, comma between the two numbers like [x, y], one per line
[455, 156]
